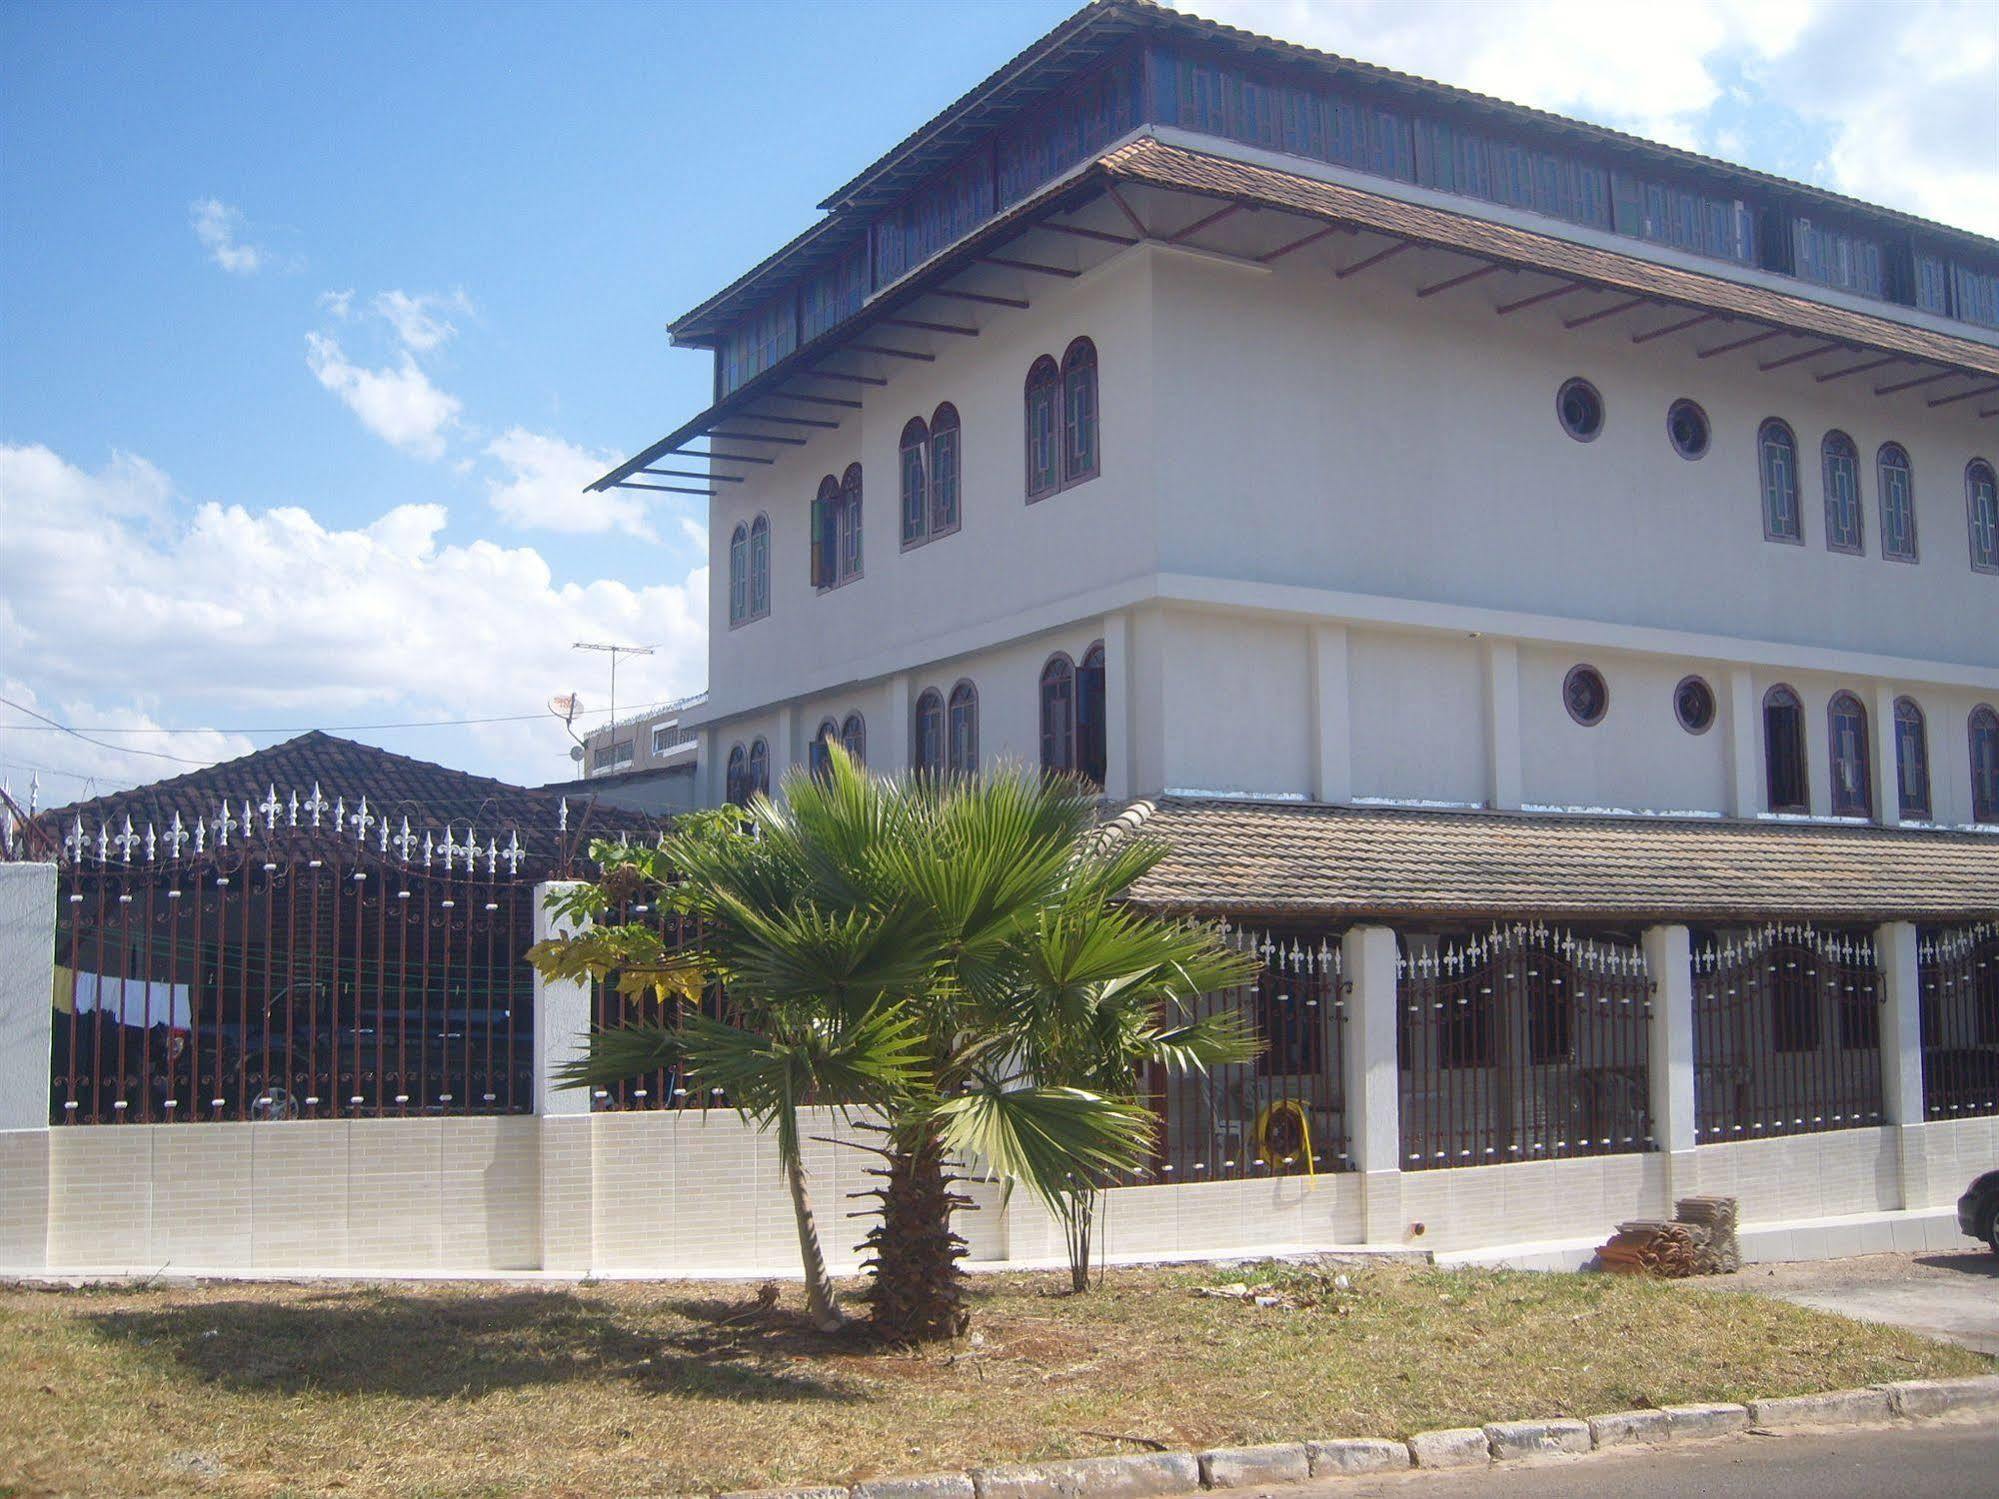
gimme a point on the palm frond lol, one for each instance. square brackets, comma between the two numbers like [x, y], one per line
[1046, 1138]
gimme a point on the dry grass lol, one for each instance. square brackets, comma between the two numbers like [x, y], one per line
[674, 1388]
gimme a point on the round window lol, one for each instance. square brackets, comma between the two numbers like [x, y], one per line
[1693, 705]
[1586, 695]
[1686, 426]
[1580, 408]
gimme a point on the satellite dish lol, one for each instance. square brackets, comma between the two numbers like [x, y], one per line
[565, 706]
[576, 753]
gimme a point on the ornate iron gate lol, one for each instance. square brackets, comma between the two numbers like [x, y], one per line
[1528, 1043]
[1787, 1033]
[1959, 971]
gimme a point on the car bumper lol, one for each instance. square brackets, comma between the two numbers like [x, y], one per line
[1969, 1207]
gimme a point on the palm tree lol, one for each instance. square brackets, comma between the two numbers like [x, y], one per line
[947, 953]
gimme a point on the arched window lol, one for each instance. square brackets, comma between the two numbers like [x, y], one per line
[915, 489]
[1852, 775]
[944, 441]
[1777, 459]
[1841, 463]
[1981, 507]
[1044, 428]
[1912, 759]
[836, 529]
[1784, 751]
[1090, 747]
[1079, 413]
[1984, 764]
[926, 754]
[759, 767]
[1058, 716]
[739, 575]
[1898, 502]
[961, 742]
[854, 738]
[738, 792]
[819, 758]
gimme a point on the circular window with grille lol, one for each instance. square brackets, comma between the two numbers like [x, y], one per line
[1586, 695]
[1686, 426]
[1580, 409]
[1693, 705]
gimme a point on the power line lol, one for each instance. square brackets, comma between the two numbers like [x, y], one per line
[51, 727]
[114, 748]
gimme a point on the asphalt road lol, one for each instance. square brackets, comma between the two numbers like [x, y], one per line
[1953, 1296]
[1937, 1460]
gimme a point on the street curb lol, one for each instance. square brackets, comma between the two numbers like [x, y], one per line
[1153, 1475]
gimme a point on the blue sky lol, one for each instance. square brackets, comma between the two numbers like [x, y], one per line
[313, 319]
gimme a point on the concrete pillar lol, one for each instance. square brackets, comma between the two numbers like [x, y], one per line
[1332, 734]
[1745, 735]
[1117, 707]
[891, 752]
[27, 983]
[1895, 950]
[1669, 961]
[1502, 725]
[783, 745]
[1887, 774]
[567, 1191]
[707, 771]
[1373, 1080]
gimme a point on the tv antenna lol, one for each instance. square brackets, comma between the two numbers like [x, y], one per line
[614, 652]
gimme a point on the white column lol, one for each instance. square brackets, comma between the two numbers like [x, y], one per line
[1745, 731]
[1373, 1079]
[707, 786]
[27, 984]
[891, 753]
[1669, 961]
[1887, 775]
[1117, 707]
[561, 1012]
[566, 1200]
[1332, 734]
[1895, 950]
[783, 745]
[1502, 725]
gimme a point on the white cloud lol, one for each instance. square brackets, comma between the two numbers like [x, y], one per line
[420, 321]
[232, 616]
[398, 404]
[219, 227]
[339, 303]
[545, 482]
[1906, 91]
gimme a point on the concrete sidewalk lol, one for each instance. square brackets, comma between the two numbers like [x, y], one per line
[1942, 1294]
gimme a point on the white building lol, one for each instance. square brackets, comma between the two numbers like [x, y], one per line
[1432, 513]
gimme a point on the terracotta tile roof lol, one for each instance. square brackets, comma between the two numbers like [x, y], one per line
[1150, 162]
[1293, 859]
[395, 786]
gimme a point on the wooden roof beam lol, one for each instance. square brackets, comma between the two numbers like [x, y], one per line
[715, 457]
[1797, 358]
[1740, 343]
[1858, 369]
[813, 400]
[1102, 235]
[1310, 239]
[1915, 384]
[1034, 266]
[1130, 215]
[964, 330]
[787, 442]
[1568, 288]
[1963, 395]
[786, 421]
[1227, 210]
[1684, 323]
[981, 296]
[851, 379]
[1478, 274]
[894, 353]
[665, 488]
[1372, 260]
[1603, 312]
[683, 473]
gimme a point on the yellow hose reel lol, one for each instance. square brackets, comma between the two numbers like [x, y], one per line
[1284, 1135]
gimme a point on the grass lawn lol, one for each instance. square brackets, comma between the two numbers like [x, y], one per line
[679, 1388]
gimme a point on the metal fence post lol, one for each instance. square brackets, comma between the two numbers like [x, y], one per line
[1373, 1079]
[561, 1026]
[27, 989]
[1895, 948]
[1669, 961]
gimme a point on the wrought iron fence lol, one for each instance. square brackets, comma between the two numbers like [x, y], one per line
[1959, 972]
[666, 1088]
[1528, 1043]
[1787, 1032]
[1284, 1113]
[294, 959]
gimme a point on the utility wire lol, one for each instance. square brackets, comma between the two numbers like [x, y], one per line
[101, 744]
[50, 726]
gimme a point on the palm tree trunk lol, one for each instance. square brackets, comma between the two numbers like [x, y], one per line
[819, 1304]
[918, 1293]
